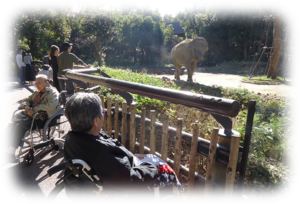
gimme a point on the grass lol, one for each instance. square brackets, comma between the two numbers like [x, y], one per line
[270, 128]
[265, 80]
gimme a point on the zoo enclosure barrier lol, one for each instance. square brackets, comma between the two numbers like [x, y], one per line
[225, 157]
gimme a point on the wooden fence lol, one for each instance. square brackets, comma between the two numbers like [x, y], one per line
[224, 157]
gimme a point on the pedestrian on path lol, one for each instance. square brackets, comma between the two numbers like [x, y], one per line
[21, 66]
[29, 76]
[65, 60]
[54, 52]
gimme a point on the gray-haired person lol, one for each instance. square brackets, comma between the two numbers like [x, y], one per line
[111, 161]
[44, 99]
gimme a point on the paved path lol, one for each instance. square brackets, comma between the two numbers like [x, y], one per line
[27, 182]
[231, 80]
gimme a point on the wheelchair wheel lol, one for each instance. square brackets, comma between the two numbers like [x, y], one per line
[29, 158]
[57, 195]
[59, 145]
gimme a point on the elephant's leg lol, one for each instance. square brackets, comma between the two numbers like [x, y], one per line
[176, 74]
[194, 64]
[189, 71]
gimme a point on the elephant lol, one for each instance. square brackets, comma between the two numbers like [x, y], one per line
[188, 53]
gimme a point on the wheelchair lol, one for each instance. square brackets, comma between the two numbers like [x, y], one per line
[39, 139]
[101, 194]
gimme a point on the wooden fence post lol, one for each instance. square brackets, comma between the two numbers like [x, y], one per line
[152, 132]
[231, 167]
[132, 127]
[142, 131]
[194, 145]
[164, 139]
[116, 121]
[211, 160]
[177, 155]
[124, 123]
[109, 116]
[104, 120]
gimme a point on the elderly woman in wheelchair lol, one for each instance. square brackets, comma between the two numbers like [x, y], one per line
[38, 108]
[119, 171]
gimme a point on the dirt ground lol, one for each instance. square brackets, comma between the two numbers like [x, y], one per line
[233, 80]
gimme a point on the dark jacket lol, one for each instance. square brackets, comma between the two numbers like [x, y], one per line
[111, 161]
[54, 66]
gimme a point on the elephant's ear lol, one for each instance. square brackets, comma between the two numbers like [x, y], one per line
[191, 48]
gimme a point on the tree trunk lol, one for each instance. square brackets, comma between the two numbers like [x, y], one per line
[98, 46]
[272, 73]
[246, 51]
[134, 55]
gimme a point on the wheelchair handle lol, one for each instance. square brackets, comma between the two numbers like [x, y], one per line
[66, 165]
[59, 167]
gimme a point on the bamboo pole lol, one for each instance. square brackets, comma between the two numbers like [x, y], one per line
[143, 131]
[231, 167]
[164, 139]
[109, 116]
[194, 145]
[177, 155]
[124, 123]
[211, 159]
[152, 131]
[104, 120]
[116, 120]
[132, 127]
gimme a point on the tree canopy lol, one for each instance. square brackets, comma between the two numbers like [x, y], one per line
[140, 37]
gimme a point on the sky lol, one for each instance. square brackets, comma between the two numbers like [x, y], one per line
[164, 6]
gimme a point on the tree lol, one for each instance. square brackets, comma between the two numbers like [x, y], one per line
[277, 43]
[168, 18]
[34, 24]
[243, 26]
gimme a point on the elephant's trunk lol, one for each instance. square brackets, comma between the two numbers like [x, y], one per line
[198, 56]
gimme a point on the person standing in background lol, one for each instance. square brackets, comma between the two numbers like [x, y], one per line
[21, 66]
[29, 76]
[65, 60]
[54, 52]
[46, 60]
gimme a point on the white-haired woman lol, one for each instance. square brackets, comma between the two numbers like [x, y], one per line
[44, 99]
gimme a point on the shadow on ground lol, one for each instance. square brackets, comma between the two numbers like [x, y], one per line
[27, 180]
[8, 84]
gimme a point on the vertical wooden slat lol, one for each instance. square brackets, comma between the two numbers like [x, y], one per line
[231, 167]
[164, 139]
[211, 159]
[132, 127]
[116, 126]
[152, 131]
[194, 145]
[124, 123]
[177, 155]
[143, 131]
[109, 116]
[104, 121]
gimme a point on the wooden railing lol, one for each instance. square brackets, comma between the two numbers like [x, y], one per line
[229, 159]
